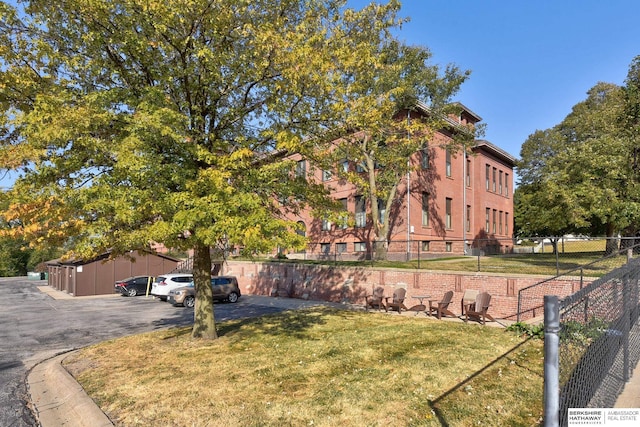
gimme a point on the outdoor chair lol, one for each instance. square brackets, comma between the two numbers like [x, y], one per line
[468, 299]
[441, 307]
[478, 310]
[375, 300]
[397, 300]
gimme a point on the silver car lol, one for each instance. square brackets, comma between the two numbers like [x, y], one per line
[167, 282]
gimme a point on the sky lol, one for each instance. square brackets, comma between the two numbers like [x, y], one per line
[530, 61]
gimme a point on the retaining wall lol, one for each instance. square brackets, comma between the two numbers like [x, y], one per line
[351, 284]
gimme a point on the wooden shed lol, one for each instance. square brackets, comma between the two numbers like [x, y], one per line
[97, 276]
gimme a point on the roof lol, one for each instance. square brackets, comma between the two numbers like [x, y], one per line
[468, 111]
[75, 261]
[495, 151]
[425, 109]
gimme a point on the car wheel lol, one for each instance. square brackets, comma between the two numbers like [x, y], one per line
[132, 292]
[189, 301]
[233, 297]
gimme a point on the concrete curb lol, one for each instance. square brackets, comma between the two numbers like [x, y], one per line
[58, 400]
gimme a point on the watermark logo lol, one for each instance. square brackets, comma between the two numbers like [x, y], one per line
[611, 417]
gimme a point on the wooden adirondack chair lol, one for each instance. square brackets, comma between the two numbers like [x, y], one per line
[441, 307]
[468, 299]
[375, 300]
[479, 310]
[397, 301]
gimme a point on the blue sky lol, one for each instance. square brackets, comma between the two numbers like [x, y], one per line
[531, 61]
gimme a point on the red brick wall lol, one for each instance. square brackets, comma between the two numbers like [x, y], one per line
[351, 284]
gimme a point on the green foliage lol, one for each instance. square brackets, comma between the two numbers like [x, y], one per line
[582, 333]
[172, 121]
[579, 176]
[525, 329]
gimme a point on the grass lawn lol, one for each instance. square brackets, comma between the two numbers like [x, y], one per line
[537, 264]
[320, 367]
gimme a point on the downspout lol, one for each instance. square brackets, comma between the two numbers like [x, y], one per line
[408, 194]
[464, 200]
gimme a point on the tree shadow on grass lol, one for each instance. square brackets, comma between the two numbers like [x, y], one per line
[290, 323]
[461, 387]
[276, 322]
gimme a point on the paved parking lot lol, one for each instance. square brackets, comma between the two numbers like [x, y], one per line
[37, 325]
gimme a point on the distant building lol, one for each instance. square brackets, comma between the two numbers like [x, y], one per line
[97, 276]
[458, 204]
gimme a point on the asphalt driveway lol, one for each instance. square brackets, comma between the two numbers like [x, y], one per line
[36, 326]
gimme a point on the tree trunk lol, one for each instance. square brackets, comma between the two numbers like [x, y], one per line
[612, 243]
[380, 249]
[204, 322]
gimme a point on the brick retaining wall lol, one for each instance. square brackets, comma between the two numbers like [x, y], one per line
[351, 284]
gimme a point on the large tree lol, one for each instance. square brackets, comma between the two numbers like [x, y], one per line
[397, 101]
[578, 176]
[133, 122]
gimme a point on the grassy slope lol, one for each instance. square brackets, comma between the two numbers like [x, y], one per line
[319, 367]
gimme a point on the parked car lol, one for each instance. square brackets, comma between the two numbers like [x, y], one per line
[167, 282]
[132, 286]
[225, 288]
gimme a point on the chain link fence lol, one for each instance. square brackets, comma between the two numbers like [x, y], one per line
[530, 299]
[592, 342]
[483, 254]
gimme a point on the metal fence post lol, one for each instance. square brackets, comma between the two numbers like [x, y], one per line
[551, 361]
[626, 326]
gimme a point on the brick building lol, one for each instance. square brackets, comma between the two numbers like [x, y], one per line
[457, 203]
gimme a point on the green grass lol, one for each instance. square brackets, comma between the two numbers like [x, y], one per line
[544, 264]
[320, 367]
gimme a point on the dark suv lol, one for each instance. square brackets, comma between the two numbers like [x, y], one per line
[225, 288]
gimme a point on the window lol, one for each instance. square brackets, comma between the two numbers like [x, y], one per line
[325, 248]
[425, 209]
[343, 222]
[494, 180]
[326, 225]
[468, 173]
[500, 222]
[326, 175]
[341, 247]
[448, 247]
[500, 182]
[468, 218]
[487, 171]
[424, 158]
[425, 245]
[448, 222]
[345, 166]
[382, 209]
[301, 169]
[486, 220]
[360, 246]
[495, 214]
[361, 214]
[360, 167]
[506, 184]
[506, 223]
[448, 163]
